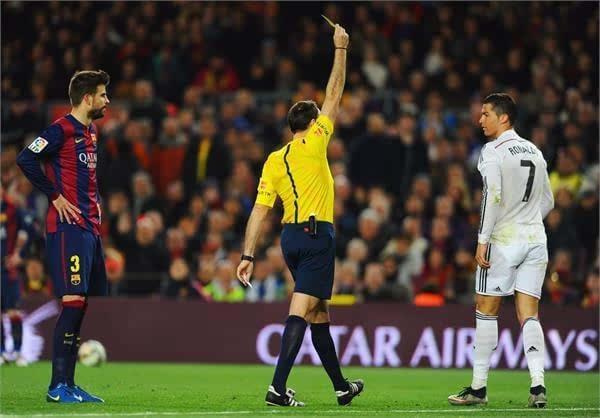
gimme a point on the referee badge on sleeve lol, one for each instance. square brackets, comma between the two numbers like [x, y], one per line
[38, 145]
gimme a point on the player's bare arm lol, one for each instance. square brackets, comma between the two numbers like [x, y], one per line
[337, 78]
[258, 215]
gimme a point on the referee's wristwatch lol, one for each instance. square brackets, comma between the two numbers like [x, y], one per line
[247, 258]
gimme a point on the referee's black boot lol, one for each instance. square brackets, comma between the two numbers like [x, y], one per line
[285, 399]
[355, 387]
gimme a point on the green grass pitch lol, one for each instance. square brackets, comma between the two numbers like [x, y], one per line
[152, 389]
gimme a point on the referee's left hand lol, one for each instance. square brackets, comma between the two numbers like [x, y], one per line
[244, 272]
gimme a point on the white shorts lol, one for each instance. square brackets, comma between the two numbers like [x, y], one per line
[520, 267]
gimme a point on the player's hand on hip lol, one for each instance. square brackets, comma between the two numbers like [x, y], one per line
[67, 212]
[244, 272]
[340, 37]
[480, 256]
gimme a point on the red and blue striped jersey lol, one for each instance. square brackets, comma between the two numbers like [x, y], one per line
[13, 221]
[68, 151]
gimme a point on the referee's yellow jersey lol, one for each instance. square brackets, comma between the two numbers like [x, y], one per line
[299, 174]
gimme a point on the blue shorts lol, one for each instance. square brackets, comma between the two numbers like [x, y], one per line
[76, 261]
[310, 259]
[11, 292]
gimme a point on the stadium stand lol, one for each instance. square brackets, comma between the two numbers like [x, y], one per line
[200, 96]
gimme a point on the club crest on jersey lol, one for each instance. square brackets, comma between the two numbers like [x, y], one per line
[38, 145]
[75, 279]
[93, 137]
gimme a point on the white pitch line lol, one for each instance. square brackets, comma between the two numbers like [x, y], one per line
[457, 410]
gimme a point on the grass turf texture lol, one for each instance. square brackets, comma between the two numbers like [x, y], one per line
[147, 389]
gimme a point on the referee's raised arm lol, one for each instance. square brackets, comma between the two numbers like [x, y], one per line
[337, 78]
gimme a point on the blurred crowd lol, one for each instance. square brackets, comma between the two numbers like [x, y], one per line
[200, 96]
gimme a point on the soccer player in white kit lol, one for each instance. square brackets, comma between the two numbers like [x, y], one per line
[511, 247]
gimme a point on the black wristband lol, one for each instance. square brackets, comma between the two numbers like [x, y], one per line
[247, 258]
[339, 47]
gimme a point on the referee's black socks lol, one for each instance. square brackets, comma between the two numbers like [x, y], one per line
[65, 340]
[323, 343]
[291, 341]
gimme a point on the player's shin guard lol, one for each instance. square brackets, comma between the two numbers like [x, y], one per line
[16, 325]
[291, 341]
[533, 345]
[72, 362]
[323, 343]
[64, 339]
[486, 339]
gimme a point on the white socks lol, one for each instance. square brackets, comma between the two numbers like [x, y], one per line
[486, 340]
[533, 345]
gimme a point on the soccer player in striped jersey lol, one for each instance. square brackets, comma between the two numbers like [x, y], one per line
[15, 226]
[68, 151]
[511, 247]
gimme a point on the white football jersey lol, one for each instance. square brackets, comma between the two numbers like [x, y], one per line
[516, 191]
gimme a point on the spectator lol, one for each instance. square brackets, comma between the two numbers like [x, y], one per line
[408, 254]
[217, 77]
[357, 252]
[369, 230]
[178, 284]
[376, 289]
[145, 106]
[375, 72]
[168, 154]
[144, 196]
[560, 234]
[464, 277]
[346, 282]
[560, 286]
[115, 269]
[437, 274]
[566, 174]
[36, 279]
[225, 287]
[591, 299]
[143, 254]
[366, 168]
[266, 286]
[205, 157]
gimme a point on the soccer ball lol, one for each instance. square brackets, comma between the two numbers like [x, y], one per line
[92, 353]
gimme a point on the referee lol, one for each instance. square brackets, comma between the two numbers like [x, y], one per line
[299, 174]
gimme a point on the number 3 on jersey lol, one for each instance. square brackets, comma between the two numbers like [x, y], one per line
[531, 165]
[74, 263]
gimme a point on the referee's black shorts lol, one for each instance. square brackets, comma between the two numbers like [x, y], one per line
[311, 259]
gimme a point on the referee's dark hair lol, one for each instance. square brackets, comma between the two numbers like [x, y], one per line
[86, 82]
[503, 104]
[301, 114]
